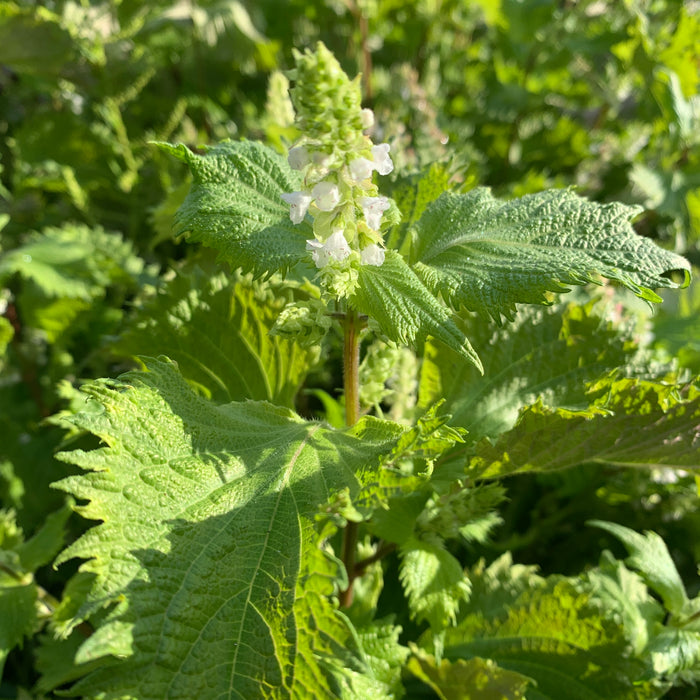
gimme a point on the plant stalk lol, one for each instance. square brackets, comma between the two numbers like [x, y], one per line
[351, 367]
[351, 385]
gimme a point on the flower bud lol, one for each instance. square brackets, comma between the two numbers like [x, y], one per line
[298, 158]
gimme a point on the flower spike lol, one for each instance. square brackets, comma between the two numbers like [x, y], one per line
[337, 160]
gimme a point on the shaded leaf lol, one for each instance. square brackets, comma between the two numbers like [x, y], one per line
[18, 613]
[412, 196]
[44, 545]
[33, 41]
[216, 327]
[548, 353]
[553, 632]
[55, 661]
[74, 261]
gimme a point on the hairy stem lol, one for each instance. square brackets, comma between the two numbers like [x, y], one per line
[351, 366]
[366, 58]
[351, 384]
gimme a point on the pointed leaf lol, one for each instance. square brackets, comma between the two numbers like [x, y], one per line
[488, 255]
[649, 555]
[40, 549]
[235, 205]
[207, 542]
[475, 679]
[554, 633]
[434, 582]
[406, 311]
[635, 423]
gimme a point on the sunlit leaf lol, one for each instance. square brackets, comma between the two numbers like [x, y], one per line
[650, 556]
[207, 542]
[404, 308]
[636, 423]
[473, 679]
[235, 206]
[489, 255]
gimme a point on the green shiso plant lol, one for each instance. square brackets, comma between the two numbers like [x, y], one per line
[239, 550]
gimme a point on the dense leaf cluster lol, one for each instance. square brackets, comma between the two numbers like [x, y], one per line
[183, 511]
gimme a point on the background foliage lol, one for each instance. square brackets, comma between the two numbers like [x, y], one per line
[518, 95]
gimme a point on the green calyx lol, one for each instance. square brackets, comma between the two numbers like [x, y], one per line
[305, 322]
[328, 104]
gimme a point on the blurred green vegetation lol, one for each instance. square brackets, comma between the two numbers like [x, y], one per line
[519, 95]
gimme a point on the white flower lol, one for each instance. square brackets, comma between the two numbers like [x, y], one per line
[361, 169]
[382, 162]
[335, 248]
[298, 158]
[373, 208]
[326, 196]
[321, 160]
[372, 255]
[298, 204]
[367, 117]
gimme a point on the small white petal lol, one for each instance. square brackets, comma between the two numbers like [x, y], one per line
[321, 160]
[298, 158]
[298, 205]
[361, 169]
[335, 248]
[373, 208]
[382, 162]
[326, 196]
[367, 116]
[318, 254]
[372, 255]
